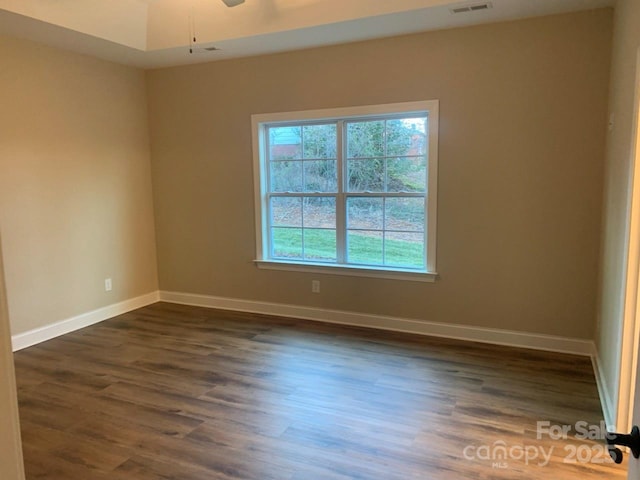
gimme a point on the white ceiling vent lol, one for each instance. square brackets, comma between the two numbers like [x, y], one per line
[474, 7]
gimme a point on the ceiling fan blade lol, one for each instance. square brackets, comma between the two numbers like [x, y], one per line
[232, 3]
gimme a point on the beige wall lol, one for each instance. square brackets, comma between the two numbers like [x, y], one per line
[11, 464]
[618, 168]
[523, 119]
[75, 189]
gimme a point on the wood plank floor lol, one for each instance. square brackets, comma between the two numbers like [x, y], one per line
[186, 393]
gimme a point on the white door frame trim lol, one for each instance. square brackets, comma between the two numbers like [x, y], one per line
[11, 459]
[630, 334]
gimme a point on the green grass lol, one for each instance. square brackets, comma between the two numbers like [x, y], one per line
[320, 245]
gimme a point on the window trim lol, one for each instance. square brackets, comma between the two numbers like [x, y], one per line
[258, 123]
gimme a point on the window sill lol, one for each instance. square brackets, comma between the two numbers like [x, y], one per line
[352, 271]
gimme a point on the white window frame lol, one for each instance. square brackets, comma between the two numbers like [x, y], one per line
[259, 124]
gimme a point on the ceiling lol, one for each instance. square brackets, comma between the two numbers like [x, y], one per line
[157, 33]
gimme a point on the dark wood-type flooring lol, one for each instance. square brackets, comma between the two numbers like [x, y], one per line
[186, 393]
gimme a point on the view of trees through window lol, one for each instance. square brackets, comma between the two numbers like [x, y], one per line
[373, 170]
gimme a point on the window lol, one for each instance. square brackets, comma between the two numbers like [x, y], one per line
[352, 189]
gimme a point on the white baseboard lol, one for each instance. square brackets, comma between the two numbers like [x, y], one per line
[602, 384]
[37, 335]
[461, 332]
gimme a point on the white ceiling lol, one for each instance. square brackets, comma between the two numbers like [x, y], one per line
[156, 33]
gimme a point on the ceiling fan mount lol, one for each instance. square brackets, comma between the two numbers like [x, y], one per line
[233, 3]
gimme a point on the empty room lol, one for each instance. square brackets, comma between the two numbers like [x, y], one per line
[319, 239]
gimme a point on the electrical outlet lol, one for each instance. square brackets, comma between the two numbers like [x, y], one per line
[107, 285]
[315, 286]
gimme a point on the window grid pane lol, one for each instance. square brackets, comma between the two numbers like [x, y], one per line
[397, 224]
[286, 242]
